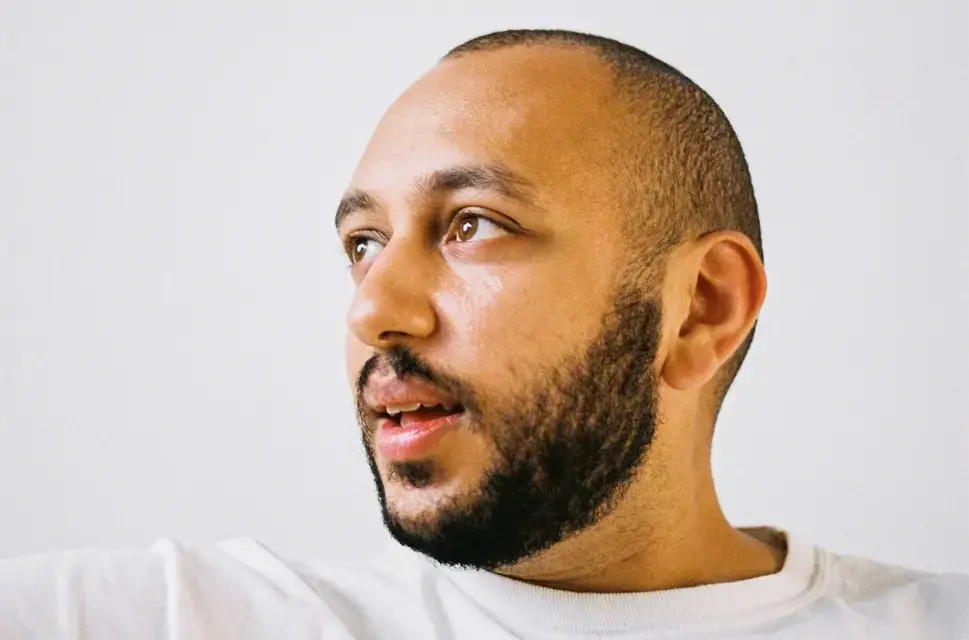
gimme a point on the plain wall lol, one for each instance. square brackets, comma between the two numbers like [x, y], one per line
[172, 295]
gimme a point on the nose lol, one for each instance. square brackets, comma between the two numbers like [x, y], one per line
[392, 302]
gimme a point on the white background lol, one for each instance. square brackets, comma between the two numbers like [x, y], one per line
[173, 298]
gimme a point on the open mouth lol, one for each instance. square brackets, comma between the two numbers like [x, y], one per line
[417, 413]
[413, 431]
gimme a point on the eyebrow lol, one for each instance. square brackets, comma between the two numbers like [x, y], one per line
[485, 177]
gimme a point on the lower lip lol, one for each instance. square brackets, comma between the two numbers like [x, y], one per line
[397, 443]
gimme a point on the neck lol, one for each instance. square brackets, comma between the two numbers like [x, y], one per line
[667, 532]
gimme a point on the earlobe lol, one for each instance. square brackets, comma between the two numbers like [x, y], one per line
[691, 362]
[728, 289]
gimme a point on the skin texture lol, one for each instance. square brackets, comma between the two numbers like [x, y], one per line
[528, 312]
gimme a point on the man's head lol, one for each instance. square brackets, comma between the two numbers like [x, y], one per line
[554, 239]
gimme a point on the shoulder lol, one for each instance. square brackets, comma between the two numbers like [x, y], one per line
[170, 590]
[933, 605]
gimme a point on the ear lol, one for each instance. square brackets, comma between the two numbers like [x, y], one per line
[723, 288]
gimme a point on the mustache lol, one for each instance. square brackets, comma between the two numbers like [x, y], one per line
[405, 363]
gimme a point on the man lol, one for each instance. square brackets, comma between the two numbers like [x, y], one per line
[558, 269]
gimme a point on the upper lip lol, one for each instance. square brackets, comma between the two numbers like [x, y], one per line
[387, 390]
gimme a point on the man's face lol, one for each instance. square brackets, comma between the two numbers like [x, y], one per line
[494, 280]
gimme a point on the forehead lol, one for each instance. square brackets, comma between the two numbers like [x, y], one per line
[546, 114]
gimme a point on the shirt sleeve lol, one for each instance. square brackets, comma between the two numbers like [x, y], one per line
[164, 593]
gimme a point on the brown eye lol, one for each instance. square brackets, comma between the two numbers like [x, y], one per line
[467, 229]
[477, 228]
[363, 249]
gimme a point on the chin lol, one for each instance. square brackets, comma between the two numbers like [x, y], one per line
[418, 508]
[418, 494]
[418, 513]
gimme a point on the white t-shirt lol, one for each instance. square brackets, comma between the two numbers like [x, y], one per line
[238, 590]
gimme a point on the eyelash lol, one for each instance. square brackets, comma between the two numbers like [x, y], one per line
[459, 216]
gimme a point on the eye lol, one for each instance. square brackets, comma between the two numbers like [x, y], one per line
[476, 227]
[361, 248]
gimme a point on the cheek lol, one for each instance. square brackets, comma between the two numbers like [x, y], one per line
[504, 322]
[478, 307]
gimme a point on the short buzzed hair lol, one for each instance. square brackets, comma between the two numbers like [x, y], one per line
[685, 162]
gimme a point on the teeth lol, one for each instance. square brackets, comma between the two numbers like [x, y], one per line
[394, 409]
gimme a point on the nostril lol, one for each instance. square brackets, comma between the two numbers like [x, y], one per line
[392, 336]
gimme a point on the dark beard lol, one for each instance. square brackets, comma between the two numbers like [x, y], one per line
[568, 449]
